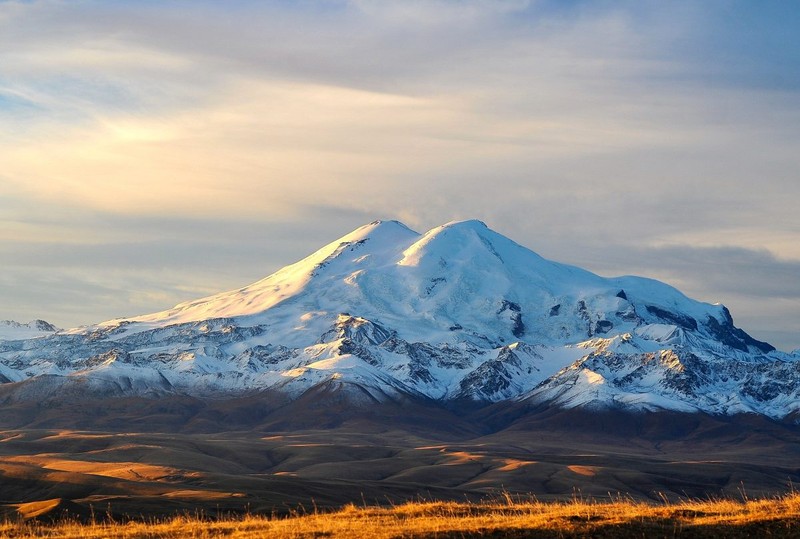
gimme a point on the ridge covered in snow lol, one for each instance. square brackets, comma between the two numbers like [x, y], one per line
[11, 330]
[458, 313]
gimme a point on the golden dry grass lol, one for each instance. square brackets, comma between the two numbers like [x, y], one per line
[509, 517]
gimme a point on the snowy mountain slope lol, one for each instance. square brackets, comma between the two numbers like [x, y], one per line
[11, 330]
[458, 313]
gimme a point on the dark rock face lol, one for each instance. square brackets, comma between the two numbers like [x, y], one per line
[41, 325]
[603, 326]
[518, 328]
[115, 354]
[690, 376]
[434, 282]
[583, 312]
[628, 315]
[622, 295]
[419, 373]
[554, 310]
[732, 336]
[425, 354]
[509, 305]
[486, 380]
[349, 347]
[681, 320]
[492, 377]
[358, 330]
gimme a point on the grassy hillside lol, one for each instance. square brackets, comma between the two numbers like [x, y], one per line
[509, 517]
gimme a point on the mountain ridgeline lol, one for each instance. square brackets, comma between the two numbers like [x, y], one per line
[460, 315]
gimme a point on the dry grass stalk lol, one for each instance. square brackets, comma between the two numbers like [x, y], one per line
[509, 516]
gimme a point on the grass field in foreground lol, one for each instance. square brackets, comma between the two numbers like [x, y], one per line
[509, 517]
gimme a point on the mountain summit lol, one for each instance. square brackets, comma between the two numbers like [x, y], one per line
[460, 313]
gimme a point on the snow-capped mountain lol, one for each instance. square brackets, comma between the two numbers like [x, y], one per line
[460, 313]
[11, 330]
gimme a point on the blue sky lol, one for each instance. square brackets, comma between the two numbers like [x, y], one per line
[155, 152]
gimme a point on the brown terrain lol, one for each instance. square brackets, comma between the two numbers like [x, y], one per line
[160, 457]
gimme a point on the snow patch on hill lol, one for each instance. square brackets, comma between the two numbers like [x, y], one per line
[11, 330]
